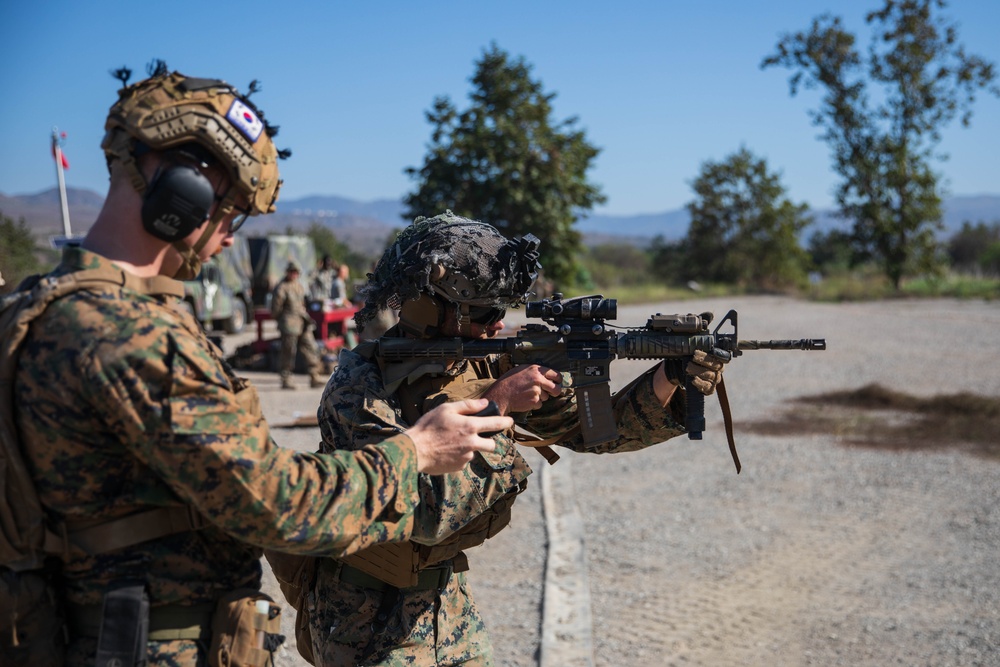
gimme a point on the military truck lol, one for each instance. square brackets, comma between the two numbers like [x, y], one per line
[221, 297]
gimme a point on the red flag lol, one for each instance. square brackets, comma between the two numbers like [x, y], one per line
[56, 140]
[62, 157]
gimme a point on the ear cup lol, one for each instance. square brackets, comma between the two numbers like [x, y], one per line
[422, 317]
[177, 202]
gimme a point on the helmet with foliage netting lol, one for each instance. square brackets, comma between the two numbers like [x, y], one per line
[455, 259]
[169, 110]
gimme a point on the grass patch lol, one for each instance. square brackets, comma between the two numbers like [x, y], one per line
[867, 284]
[877, 417]
[654, 292]
[954, 285]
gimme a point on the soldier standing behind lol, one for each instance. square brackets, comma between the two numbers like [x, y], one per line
[144, 447]
[410, 603]
[322, 279]
[288, 308]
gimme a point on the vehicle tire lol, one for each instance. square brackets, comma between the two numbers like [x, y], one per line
[238, 321]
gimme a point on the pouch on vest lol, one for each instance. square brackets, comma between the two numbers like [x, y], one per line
[124, 627]
[245, 630]
[296, 575]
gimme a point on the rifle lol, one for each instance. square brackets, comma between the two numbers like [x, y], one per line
[581, 343]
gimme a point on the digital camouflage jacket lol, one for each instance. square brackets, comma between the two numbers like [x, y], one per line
[123, 405]
[356, 410]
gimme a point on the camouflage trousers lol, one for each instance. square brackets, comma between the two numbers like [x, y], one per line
[293, 343]
[427, 628]
[175, 653]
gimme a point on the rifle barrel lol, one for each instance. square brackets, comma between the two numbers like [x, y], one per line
[800, 344]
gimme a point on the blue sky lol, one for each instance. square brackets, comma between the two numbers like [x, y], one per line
[660, 87]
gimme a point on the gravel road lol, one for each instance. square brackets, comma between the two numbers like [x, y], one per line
[817, 554]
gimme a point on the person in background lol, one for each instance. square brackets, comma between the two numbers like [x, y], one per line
[322, 279]
[338, 290]
[290, 311]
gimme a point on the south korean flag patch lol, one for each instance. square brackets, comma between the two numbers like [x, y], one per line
[245, 120]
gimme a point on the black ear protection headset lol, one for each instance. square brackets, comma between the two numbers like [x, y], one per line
[177, 201]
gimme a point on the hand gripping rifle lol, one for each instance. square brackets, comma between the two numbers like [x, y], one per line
[581, 343]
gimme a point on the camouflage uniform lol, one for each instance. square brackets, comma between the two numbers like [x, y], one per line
[123, 405]
[288, 307]
[321, 284]
[443, 627]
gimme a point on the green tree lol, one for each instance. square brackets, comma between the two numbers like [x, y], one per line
[668, 260]
[18, 257]
[504, 161]
[743, 228]
[831, 250]
[327, 243]
[615, 264]
[989, 259]
[968, 245]
[883, 114]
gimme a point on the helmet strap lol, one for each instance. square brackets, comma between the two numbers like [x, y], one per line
[191, 264]
[464, 322]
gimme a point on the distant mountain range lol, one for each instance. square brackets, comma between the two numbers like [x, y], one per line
[365, 226]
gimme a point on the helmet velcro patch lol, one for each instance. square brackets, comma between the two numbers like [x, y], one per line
[245, 120]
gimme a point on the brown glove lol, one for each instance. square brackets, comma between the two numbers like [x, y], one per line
[705, 370]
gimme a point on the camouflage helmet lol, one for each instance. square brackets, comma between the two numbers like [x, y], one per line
[454, 259]
[168, 110]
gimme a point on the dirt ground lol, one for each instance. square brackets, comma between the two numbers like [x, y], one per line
[821, 552]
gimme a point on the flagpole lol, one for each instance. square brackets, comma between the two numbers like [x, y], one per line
[57, 153]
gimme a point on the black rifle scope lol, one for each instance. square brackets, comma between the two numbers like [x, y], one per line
[594, 307]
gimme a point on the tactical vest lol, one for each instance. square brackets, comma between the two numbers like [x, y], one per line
[399, 564]
[30, 623]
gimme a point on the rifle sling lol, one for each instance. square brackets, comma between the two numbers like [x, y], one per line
[727, 416]
[541, 445]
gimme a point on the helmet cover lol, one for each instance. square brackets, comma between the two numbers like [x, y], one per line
[168, 110]
[456, 259]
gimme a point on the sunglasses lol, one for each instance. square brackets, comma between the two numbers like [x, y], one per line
[486, 315]
[241, 215]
